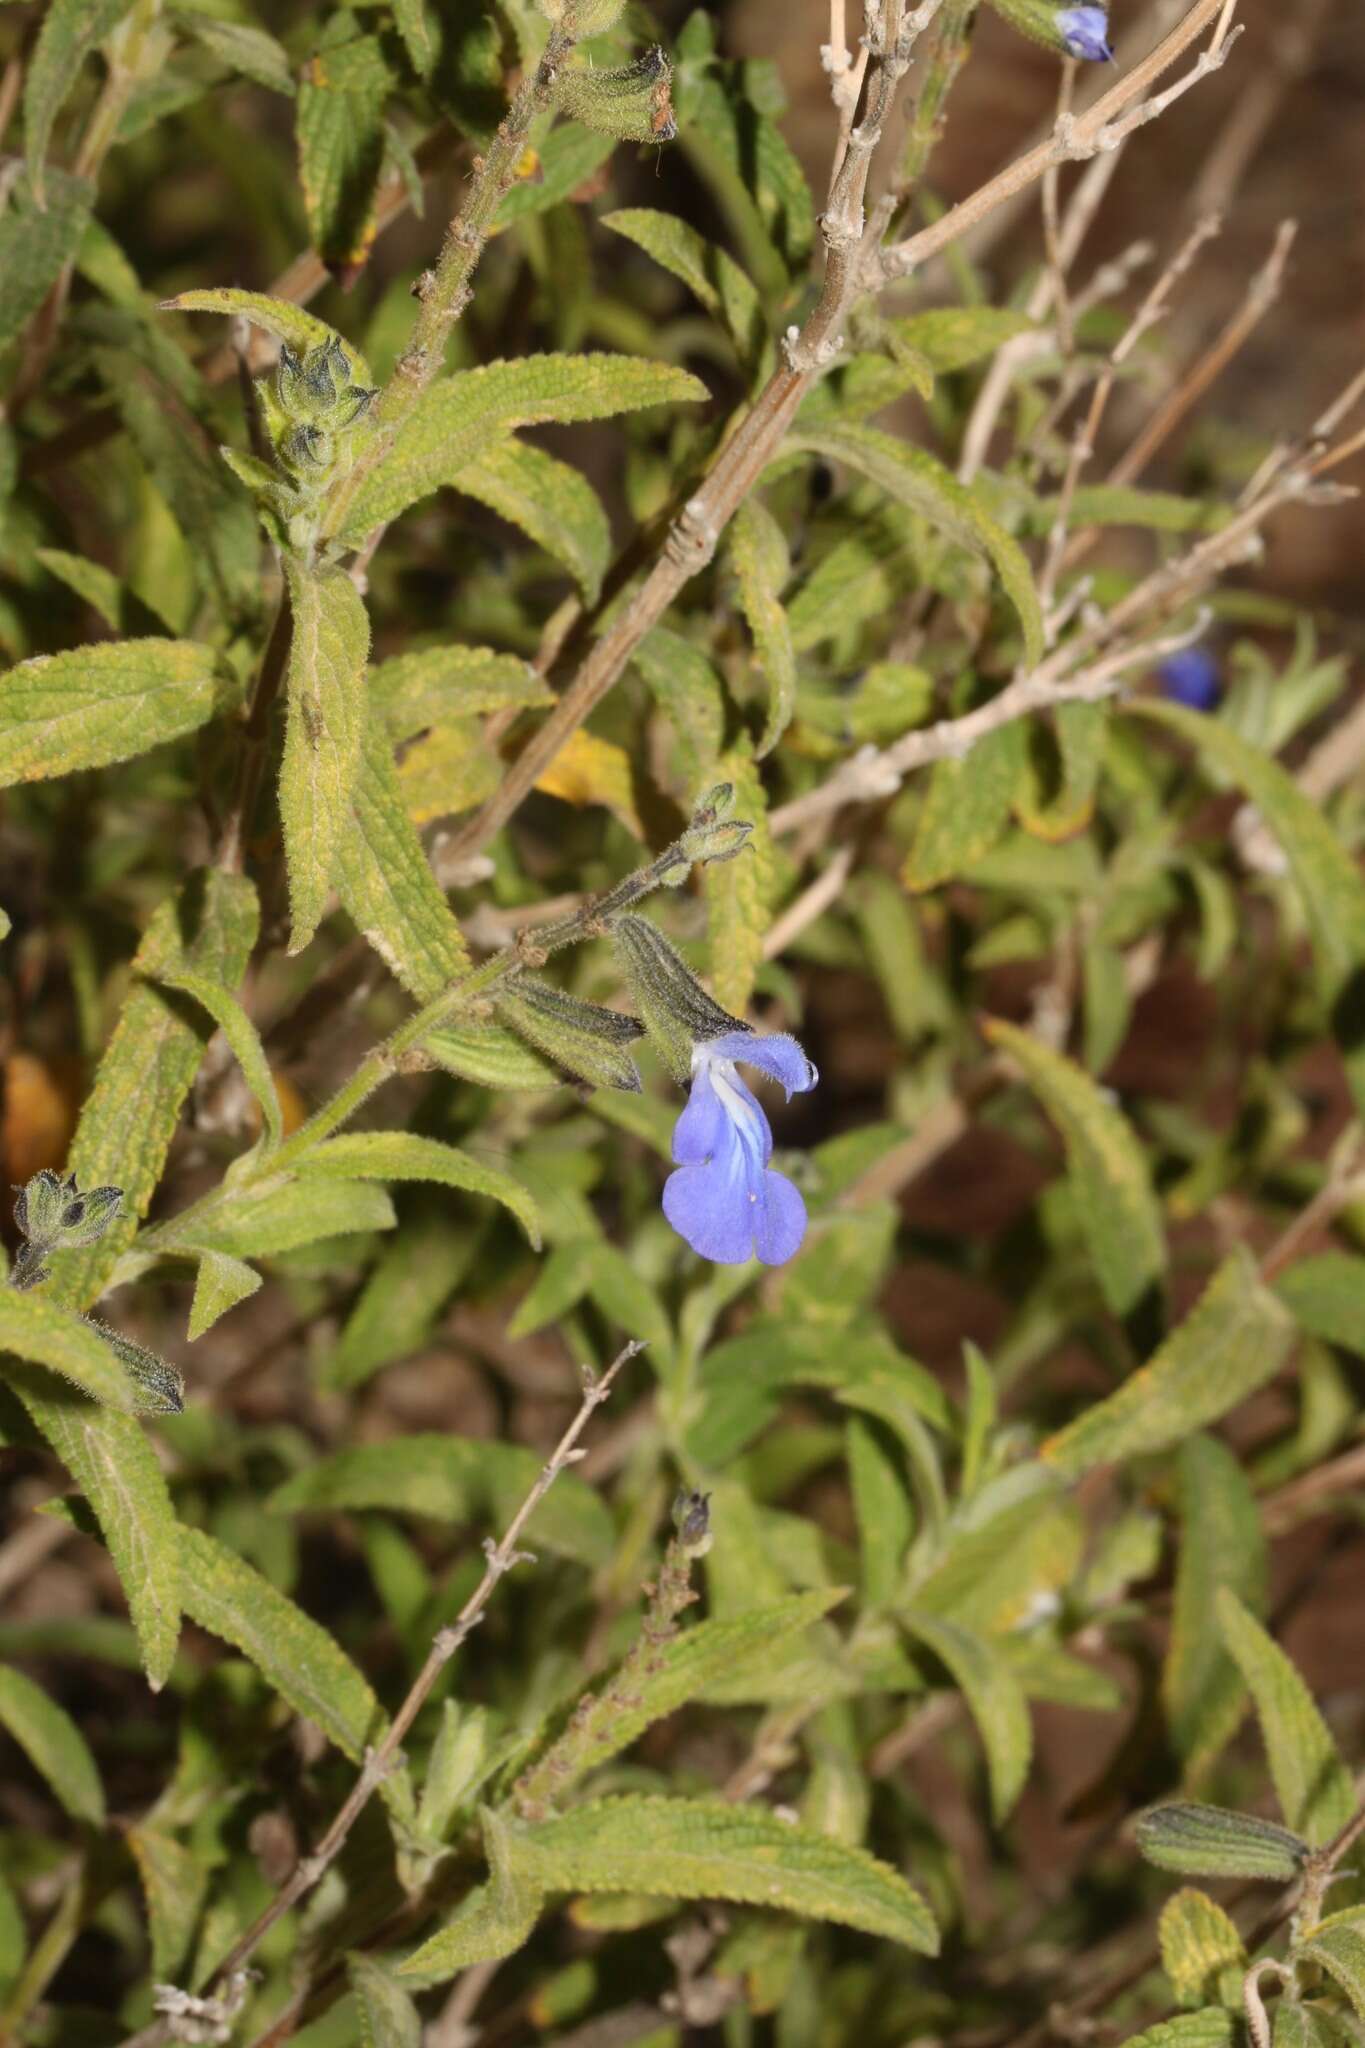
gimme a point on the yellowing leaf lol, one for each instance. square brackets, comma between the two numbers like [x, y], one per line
[758, 550]
[739, 891]
[325, 690]
[593, 771]
[341, 148]
[966, 808]
[1198, 1944]
[103, 703]
[448, 769]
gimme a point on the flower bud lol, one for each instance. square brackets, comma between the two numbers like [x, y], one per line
[1074, 31]
[678, 1013]
[692, 1520]
[713, 834]
[634, 104]
[55, 1216]
[585, 1038]
[160, 1388]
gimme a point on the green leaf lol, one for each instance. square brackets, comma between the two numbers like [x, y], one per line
[13, 1939]
[287, 322]
[93, 584]
[297, 1657]
[490, 1055]
[915, 478]
[53, 1744]
[174, 1884]
[388, 2018]
[954, 337]
[1234, 1339]
[741, 153]
[1312, 1784]
[1121, 505]
[114, 1466]
[410, 19]
[433, 685]
[739, 892]
[1062, 759]
[703, 266]
[492, 1922]
[37, 241]
[244, 48]
[996, 1573]
[35, 1328]
[340, 131]
[1304, 2025]
[552, 503]
[414, 1276]
[401, 1155]
[1222, 1543]
[277, 1215]
[132, 1110]
[461, 416]
[1211, 1841]
[70, 31]
[966, 809]
[241, 1035]
[882, 1505]
[758, 551]
[684, 683]
[1326, 1297]
[1198, 1943]
[729, 1648]
[103, 703]
[1339, 1949]
[220, 1283]
[1115, 1201]
[325, 689]
[1211, 2028]
[1325, 873]
[711, 1849]
[455, 1479]
[385, 883]
[994, 1698]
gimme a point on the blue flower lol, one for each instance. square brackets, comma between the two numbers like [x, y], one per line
[724, 1198]
[1190, 678]
[1084, 32]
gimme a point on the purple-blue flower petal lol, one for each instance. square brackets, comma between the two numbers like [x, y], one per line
[1085, 33]
[779, 1056]
[779, 1220]
[1191, 678]
[703, 1125]
[710, 1207]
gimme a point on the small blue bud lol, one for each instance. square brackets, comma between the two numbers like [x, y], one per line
[1191, 678]
[1084, 32]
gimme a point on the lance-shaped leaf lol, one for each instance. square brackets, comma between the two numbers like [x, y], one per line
[385, 882]
[103, 703]
[220, 1283]
[1326, 876]
[174, 1884]
[455, 1479]
[70, 31]
[916, 479]
[241, 1034]
[36, 242]
[1115, 1201]
[710, 1849]
[739, 892]
[460, 417]
[417, 1271]
[490, 1923]
[388, 2018]
[762, 564]
[413, 25]
[1199, 1943]
[489, 1055]
[35, 1328]
[1338, 1947]
[297, 1657]
[731, 1647]
[582, 1037]
[289, 323]
[244, 49]
[144, 1075]
[1312, 1784]
[1326, 1297]
[1222, 1543]
[954, 337]
[157, 1387]
[340, 133]
[551, 502]
[276, 1215]
[1235, 1338]
[703, 266]
[53, 1744]
[433, 685]
[994, 1698]
[966, 808]
[402, 1155]
[325, 687]
[684, 684]
[114, 1466]
[1212, 1841]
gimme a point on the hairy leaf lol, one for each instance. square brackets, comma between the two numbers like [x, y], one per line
[244, 48]
[739, 891]
[1211, 1841]
[1234, 1339]
[1115, 1200]
[709, 274]
[53, 1744]
[966, 809]
[278, 1215]
[1326, 1296]
[341, 148]
[492, 1922]
[70, 31]
[1312, 1784]
[37, 238]
[287, 322]
[174, 1883]
[553, 504]
[993, 1695]
[220, 1283]
[684, 684]
[955, 337]
[35, 1328]
[432, 685]
[460, 417]
[402, 1155]
[758, 551]
[325, 689]
[388, 2018]
[1338, 1947]
[103, 703]
[1222, 1543]
[1211, 2028]
[1198, 1943]
[241, 1034]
